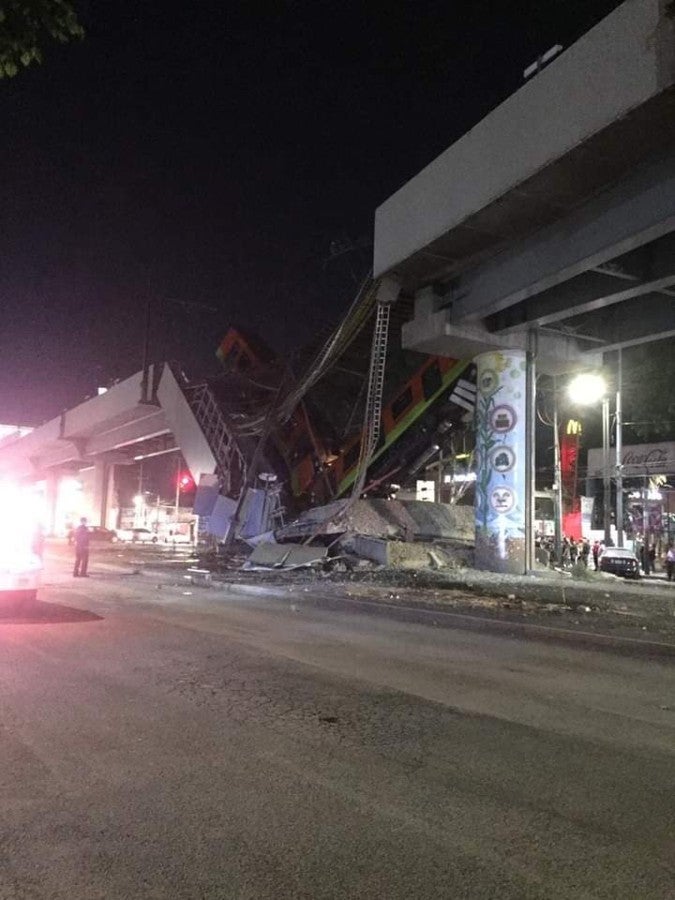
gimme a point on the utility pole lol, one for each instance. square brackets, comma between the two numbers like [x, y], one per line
[606, 478]
[149, 310]
[557, 476]
[530, 420]
[145, 377]
[177, 504]
[619, 452]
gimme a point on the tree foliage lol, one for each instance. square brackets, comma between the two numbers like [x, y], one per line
[25, 26]
[649, 389]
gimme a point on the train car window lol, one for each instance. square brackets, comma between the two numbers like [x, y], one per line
[401, 403]
[431, 381]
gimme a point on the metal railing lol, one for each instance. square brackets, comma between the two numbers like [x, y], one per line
[230, 462]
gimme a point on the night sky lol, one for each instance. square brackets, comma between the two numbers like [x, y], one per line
[211, 152]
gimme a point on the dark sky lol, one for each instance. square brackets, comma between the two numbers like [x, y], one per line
[211, 151]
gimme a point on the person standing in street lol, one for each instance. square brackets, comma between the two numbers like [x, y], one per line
[595, 553]
[585, 551]
[81, 538]
[670, 563]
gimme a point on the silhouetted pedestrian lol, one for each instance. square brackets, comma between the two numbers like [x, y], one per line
[670, 563]
[585, 551]
[595, 552]
[81, 539]
[565, 551]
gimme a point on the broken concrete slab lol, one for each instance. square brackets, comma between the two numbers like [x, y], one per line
[304, 556]
[397, 554]
[268, 556]
[284, 556]
[405, 520]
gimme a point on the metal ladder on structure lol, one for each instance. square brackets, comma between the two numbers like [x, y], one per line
[373, 417]
[230, 462]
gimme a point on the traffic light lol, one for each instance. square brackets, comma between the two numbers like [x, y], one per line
[185, 482]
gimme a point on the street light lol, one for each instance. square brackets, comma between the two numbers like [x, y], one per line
[584, 389]
[587, 388]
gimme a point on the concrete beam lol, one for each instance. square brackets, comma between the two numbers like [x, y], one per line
[638, 210]
[619, 66]
[650, 318]
[151, 424]
[437, 335]
[593, 290]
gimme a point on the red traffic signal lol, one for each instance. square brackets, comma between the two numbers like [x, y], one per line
[185, 482]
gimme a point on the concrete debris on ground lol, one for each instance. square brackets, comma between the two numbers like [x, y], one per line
[284, 556]
[405, 520]
[399, 554]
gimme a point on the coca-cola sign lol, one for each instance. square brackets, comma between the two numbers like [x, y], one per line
[636, 460]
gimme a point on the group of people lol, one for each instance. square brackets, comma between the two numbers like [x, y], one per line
[572, 551]
[582, 551]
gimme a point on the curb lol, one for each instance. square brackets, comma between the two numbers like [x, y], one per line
[426, 615]
[430, 615]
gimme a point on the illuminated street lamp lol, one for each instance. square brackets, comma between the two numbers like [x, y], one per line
[586, 389]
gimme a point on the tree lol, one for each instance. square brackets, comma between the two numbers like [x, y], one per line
[25, 25]
[648, 395]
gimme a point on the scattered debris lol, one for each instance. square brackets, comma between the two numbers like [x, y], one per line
[437, 561]
[284, 556]
[200, 577]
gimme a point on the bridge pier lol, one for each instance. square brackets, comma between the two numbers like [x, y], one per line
[104, 499]
[501, 461]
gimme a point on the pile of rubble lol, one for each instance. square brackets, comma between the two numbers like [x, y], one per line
[343, 536]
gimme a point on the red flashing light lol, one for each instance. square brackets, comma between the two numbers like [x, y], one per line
[185, 482]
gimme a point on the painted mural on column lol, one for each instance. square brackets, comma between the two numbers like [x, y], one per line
[500, 461]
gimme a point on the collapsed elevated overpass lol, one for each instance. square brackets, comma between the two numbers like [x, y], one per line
[120, 426]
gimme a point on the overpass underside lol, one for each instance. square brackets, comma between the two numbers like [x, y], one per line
[556, 212]
[544, 239]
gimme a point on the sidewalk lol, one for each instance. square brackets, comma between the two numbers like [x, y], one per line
[599, 609]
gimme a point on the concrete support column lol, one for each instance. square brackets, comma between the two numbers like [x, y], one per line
[112, 506]
[501, 466]
[99, 504]
[51, 500]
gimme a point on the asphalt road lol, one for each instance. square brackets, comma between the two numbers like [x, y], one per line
[164, 740]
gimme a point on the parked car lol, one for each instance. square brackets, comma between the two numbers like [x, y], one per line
[620, 561]
[97, 533]
[138, 536]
